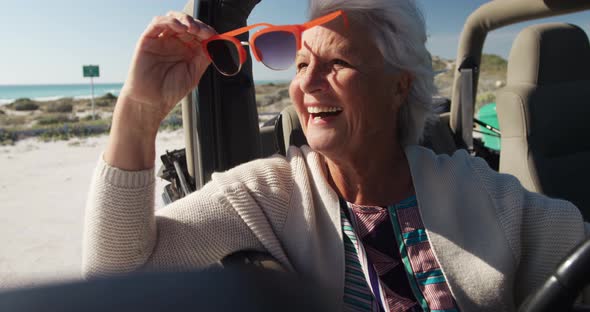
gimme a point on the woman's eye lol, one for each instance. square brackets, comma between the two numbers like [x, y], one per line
[301, 66]
[341, 63]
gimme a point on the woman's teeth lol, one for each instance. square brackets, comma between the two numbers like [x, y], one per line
[317, 109]
[318, 112]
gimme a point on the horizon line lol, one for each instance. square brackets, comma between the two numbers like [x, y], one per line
[103, 83]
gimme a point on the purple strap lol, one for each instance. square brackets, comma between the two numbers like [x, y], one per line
[374, 279]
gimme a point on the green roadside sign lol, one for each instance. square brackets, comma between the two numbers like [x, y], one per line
[90, 70]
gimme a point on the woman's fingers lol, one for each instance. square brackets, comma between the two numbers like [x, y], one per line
[201, 30]
[192, 26]
[179, 24]
[161, 24]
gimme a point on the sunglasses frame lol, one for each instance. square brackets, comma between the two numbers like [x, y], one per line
[296, 30]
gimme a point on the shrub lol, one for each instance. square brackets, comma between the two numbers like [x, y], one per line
[56, 119]
[25, 104]
[12, 120]
[107, 100]
[7, 137]
[176, 111]
[104, 103]
[485, 98]
[109, 96]
[438, 64]
[493, 65]
[67, 131]
[89, 117]
[60, 107]
[171, 122]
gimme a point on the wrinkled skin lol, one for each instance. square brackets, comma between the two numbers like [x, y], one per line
[340, 67]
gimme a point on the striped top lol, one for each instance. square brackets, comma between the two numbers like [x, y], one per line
[390, 265]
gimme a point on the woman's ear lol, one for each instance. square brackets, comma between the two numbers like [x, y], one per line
[403, 84]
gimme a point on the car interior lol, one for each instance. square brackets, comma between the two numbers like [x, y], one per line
[542, 104]
[530, 125]
[542, 111]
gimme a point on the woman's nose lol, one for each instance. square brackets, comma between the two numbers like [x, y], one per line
[314, 79]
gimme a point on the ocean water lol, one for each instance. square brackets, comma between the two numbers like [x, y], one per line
[9, 93]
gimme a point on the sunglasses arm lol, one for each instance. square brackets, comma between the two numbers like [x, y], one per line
[326, 18]
[242, 30]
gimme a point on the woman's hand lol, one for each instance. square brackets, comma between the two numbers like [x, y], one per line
[168, 63]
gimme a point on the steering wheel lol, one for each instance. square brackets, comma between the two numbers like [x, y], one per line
[563, 287]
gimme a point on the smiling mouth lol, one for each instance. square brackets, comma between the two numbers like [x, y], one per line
[318, 113]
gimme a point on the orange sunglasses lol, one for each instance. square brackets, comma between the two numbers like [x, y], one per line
[274, 46]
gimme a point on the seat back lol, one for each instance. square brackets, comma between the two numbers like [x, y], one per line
[288, 130]
[544, 112]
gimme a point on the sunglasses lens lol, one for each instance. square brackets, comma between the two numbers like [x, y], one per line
[225, 56]
[277, 49]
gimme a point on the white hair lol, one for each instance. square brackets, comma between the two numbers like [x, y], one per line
[399, 31]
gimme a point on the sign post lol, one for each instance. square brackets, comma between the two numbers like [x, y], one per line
[91, 71]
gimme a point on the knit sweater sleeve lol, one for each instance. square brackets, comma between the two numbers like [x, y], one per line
[123, 233]
[540, 230]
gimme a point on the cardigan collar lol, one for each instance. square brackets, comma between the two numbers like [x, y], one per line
[459, 217]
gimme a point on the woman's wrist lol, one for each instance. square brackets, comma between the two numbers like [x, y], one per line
[137, 116]
[132, 138]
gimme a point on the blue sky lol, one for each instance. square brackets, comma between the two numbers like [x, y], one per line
[48, 41]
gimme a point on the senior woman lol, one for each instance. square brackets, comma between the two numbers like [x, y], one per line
[380, 222]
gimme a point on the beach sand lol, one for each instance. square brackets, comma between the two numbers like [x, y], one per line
[43, 190]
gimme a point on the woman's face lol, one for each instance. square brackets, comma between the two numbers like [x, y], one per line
[344, 95]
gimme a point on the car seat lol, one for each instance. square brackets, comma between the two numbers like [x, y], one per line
[543, 112]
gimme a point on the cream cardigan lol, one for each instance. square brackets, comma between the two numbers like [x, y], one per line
[494, 240]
